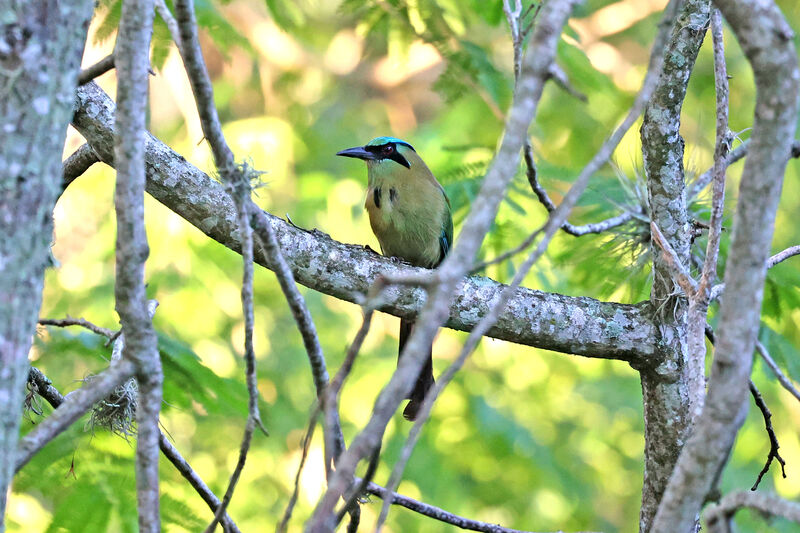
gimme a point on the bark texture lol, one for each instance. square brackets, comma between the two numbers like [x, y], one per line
[577, 325]
[40, 51]
[767, 41]
[671, 389]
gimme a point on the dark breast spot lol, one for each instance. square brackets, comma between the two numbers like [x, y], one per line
[376, 197]
[392, 195]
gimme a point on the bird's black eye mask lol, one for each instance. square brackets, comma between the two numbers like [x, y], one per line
[389, 151]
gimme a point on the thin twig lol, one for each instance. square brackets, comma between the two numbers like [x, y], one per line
[783, 256]
[77, 163]
[238, 180]
[101, 67]
[734, 155]
[82, 322]
[782, 379]
[172, 24]
[721, 148]
[679, 273]
[141, 344]
[776, 259]
[44, 388]
[435, 512]
[773, 439]
[718, 516]
[544, 199]
[287, 513]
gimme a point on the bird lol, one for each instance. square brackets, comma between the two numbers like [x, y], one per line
[409, 213]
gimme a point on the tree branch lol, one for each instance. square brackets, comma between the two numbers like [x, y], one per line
[75, 405]
[98, 69]
[82, 322]
[237, 178]
[132, 54]
[77, 163]
[767, 41]
[44, 388]
[435, 512]
[596, 329]
[773, 438]
[782, 379]
[718, 516]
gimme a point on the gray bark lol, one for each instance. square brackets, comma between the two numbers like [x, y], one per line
[766, 39]
[670, 390]
[132, 56]
[40, 50]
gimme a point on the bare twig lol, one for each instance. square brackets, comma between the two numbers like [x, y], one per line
[44, 388]
[558, 75]
[287, 513]
[238, 180]
[101, 67]
[82, 322]
[172, 24]
[773, 439]
[679, 272]
[776, 259]
[783, 256]
[709, 272]
[132, 62]
[734, 155]
[544, 199]
[435, 512]
[77, 163]
[782, 379]
[171, 453]
[718, 516]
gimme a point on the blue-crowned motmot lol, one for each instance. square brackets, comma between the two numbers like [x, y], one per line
[410, 215]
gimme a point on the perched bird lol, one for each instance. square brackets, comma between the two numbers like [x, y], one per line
[410, 215]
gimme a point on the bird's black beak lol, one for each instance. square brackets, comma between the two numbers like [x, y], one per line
[358, 152]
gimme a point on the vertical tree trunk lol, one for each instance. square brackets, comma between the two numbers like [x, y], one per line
[40, 51]
[673, 390]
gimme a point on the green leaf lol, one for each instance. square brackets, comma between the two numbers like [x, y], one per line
[188, 380]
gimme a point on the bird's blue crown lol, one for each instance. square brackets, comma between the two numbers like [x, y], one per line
[380, 141]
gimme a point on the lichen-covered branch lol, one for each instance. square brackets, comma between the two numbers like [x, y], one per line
[40, 57]
[670, 390]
[578, 325]
[768, 44]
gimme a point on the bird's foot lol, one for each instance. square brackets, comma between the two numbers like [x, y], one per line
[399, 260]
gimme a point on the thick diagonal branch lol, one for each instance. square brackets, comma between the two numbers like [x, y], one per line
[589, 327]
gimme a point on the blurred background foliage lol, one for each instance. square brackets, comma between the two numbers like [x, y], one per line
[523, 437]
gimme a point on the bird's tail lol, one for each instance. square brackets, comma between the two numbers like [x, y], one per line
[425, 378]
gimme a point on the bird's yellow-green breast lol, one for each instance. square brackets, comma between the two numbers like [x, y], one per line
[408, 209]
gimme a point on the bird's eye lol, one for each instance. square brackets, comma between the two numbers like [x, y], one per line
[388, 149]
